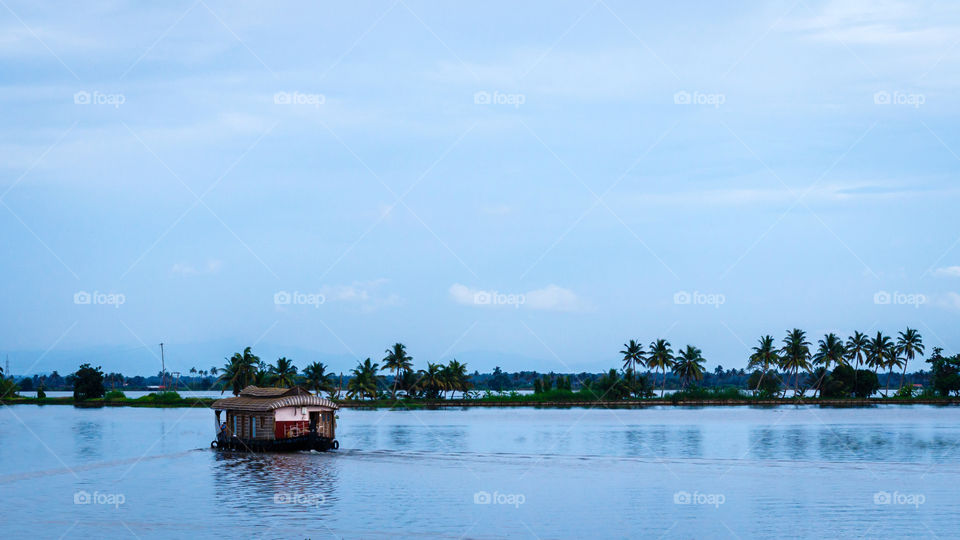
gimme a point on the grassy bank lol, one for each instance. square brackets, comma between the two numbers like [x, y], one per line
[168, 399]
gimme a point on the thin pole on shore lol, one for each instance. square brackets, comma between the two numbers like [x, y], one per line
[163, 370]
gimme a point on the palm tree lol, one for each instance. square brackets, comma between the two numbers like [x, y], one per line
[661, 357]
[891, 359]
[764, 355]
[239, 371]
[689, 365]
[431, 380]
[363, 382]
[632, 355]
[830, 351]
[284, 373]
[457, 377]
[881, 353]
[875, 350]
[795, 356]
[856, 347]
[317, 378]
[910, 344]
[396, 361]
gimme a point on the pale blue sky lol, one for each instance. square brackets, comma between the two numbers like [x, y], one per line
[815, 167]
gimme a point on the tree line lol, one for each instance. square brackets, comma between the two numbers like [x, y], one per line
[364, 382]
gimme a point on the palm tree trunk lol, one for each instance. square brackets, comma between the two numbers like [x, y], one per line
[757, 389]
[904, 374]
[820, 382]
[886, 393]
[663, 382]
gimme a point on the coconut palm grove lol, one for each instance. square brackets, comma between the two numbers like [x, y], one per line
[835, 368]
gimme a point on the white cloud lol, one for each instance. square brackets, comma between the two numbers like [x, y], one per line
[951, 300]
[871, 22]
[365, 293]
[549, 298]
[947, 271]
[552, 297]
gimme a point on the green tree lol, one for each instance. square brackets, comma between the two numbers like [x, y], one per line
[284, 373]
[764, 385]
[910, 344]
[632, 356]
[661, 357]
[795, 356]
[397, 360]
[876, 350]
[945, 373]
[364, 380]
[689, 365]
[88, 383]
[830, 350]
[9, 387]
[844, 381]
[317, 378]
[457, 379]
[763, 358]
[431, 380]
[498, 379]
[239, 371]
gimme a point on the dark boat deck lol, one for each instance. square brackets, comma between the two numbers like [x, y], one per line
[310, 441]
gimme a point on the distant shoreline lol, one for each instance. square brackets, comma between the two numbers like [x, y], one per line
[507, 402]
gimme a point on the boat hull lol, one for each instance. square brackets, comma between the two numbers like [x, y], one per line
[311, 441]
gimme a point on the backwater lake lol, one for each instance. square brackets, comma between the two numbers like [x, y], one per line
[519, 472]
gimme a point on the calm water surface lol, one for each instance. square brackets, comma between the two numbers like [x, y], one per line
[670, 472]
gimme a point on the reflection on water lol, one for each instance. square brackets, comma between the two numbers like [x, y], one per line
[88, 437]
[293, 482]
[582, 473]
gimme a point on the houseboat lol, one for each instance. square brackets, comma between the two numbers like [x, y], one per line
[275, 419]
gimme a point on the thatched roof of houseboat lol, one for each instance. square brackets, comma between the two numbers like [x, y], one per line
[256, 399]
[256, 391]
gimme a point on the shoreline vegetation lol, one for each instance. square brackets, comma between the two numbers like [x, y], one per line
[792, 374]
[568, 400]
